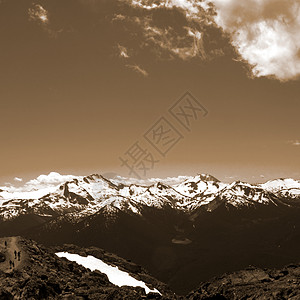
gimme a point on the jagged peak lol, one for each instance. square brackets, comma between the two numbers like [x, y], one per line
[207, 177]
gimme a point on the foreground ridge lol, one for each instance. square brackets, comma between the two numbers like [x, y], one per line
[43, 275]
[252, 283]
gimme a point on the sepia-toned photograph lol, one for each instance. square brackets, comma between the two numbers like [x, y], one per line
[150, 149]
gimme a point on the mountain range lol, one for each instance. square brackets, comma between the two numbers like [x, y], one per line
[86, 195]
[183, 230]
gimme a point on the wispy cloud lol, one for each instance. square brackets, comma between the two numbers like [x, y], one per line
[38, 13]
[18, 179]
[138, 69]
[191, 7]
[123, 51]
[294, 143]
[118, 17]
[184, 46]
[176, 28]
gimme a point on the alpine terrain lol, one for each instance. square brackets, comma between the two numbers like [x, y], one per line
[183, 230]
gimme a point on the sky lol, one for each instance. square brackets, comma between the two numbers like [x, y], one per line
[150, 88]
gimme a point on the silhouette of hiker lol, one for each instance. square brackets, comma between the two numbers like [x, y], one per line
[15, 254]
[19, 255]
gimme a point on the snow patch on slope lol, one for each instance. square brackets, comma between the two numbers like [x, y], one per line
[115, 276]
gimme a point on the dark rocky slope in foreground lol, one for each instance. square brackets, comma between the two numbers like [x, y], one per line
[43, 275]
[252, 283]
[225, 240]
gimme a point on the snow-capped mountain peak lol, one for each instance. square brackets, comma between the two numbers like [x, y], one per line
[283, 185]
[54, 194]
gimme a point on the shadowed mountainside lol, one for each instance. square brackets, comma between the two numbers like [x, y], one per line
[43, 275]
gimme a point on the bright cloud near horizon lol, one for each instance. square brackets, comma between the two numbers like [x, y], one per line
[18, 179]
[295, 143]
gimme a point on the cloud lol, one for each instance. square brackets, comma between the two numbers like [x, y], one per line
[177, 29]
[36, 188]
[230, 177]
[118, 17]
[294, 143]
[185, 46]
[138, 69]
[18, 179]
[167, 180]
[266, 33]
[191, 7]
[38, 13]
[53, 178]
[123, 52]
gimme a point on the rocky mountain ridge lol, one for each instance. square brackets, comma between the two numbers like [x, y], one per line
[85, 196]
